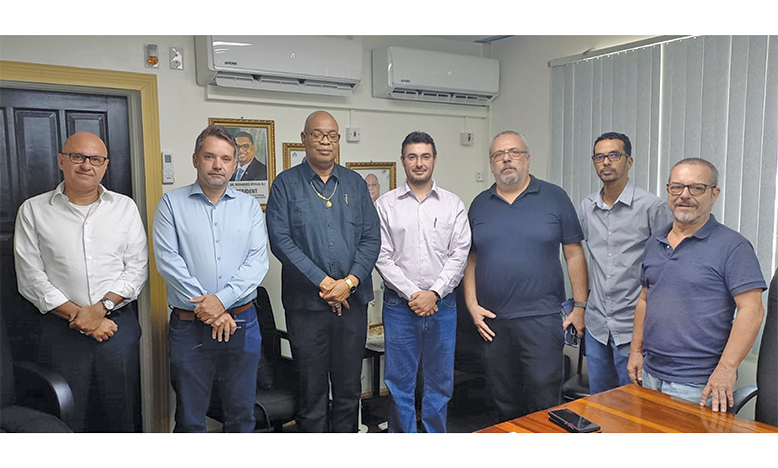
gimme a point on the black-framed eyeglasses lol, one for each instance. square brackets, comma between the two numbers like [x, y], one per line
[613, 156]
[245, 147]
[317, 136]
[514, 153]
[694, 189]
[78, 158]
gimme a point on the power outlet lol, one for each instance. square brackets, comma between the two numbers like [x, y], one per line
[479, 176]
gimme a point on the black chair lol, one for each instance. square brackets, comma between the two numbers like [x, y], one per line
[766, 389]
[575, 386]
[276, 400]
[32, 399]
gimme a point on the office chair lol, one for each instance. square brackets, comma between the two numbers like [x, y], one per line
[276, 399]
[32, 399]
[575, 386]
[766, 389]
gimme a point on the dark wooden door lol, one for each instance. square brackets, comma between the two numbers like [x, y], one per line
[33, 126]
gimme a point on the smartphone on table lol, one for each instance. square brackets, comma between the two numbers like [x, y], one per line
[572, 421]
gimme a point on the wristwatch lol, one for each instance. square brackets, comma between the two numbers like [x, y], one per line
[580, 304]
[108, 304]
[351, 285]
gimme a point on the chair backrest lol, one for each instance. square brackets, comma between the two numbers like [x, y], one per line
[766, 409]
[271, 339]
[7, 385]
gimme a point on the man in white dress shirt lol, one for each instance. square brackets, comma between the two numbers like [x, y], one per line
[81, 258]
[425, 240]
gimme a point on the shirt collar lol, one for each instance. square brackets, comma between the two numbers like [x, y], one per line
[627, 196]
[533, 187]
[195, 189]
[59, 192]
[310, 174]
[701, 233]
[405, 190]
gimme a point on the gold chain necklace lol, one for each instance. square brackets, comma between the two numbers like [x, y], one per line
[327, 199]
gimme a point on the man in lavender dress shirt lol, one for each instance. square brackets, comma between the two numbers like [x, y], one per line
[425, 240]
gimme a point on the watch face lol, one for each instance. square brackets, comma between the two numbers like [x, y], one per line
[108, 304]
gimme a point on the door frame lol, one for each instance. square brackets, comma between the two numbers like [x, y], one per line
[143, 107]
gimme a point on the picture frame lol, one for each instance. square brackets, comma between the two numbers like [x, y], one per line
[384, 173]
[294, 153]
[255, 171]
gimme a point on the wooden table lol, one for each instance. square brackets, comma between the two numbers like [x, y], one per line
[632, 408]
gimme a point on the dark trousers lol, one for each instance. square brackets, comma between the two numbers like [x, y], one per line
[328, 349]
[194, 369]
[524, 364]
[104, 377]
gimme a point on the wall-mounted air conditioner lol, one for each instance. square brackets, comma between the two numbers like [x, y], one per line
[423, 75]
[300, 64]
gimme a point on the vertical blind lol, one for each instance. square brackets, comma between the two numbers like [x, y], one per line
[714, 97]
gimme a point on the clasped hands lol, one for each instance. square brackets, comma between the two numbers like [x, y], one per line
[211, 311]
[336, 292]
[91, 321]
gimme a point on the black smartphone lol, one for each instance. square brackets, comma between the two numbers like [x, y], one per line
[572, 421]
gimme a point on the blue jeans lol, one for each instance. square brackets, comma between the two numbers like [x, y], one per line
[606, 364]
[410, 339]
[193, 371]
[686, 391]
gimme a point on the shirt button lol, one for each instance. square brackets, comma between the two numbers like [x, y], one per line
[219, 259]
[331, 244]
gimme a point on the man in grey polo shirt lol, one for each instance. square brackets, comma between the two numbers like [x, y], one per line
[616, 222]
[695, 272]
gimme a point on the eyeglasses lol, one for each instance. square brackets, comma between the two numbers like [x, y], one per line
[613, 156]
[413, 157]
[245, 147]
[694, 189]
[317, 136]
[514, 153]
[78, 158]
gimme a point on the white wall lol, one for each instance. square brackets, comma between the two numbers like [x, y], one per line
[185, 107]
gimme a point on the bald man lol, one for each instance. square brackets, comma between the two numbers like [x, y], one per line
[324, 229]
[373, 187]
[81, 258]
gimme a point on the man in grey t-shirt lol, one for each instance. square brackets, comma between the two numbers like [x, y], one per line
[616, 222]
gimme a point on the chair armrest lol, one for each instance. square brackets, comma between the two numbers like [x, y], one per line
[742, 396]
[43, 389]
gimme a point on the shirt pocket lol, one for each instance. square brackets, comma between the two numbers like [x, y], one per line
[300, 213]
[441, 235]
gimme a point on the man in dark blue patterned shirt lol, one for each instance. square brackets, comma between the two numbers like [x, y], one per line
[324, 229]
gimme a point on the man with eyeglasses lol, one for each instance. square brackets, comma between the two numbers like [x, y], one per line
[616, 222]
[425, 239]
[249, 167]
[81, 258]
[324, 229]
[514, 284]
[695, 273]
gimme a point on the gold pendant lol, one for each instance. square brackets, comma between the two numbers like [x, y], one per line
[329, 204]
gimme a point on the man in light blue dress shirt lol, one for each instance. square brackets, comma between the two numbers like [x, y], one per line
[211, 249]
[616, 222]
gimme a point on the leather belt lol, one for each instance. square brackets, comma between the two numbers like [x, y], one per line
[189, 316]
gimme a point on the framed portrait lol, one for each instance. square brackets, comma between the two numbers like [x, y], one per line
[255, 170]
[294, 153]
[380, 176]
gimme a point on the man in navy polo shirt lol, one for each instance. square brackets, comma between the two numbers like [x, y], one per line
[694, 274]
[514, 284]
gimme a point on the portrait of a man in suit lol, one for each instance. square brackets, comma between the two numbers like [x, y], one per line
[249, 167]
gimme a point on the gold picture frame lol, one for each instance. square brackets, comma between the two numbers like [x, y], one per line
[384, 173]
[258, 139]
